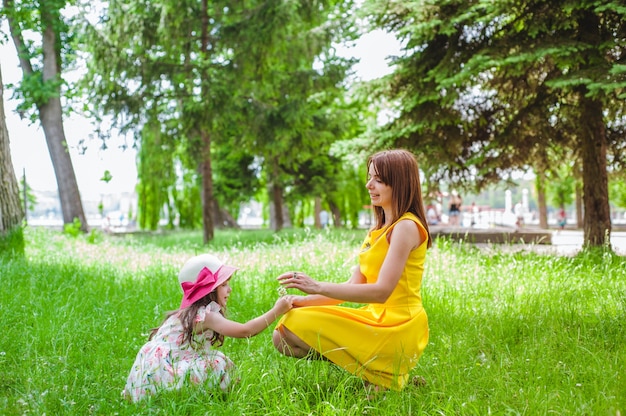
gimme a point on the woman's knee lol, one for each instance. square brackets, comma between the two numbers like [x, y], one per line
[278, 340]
[287, 343]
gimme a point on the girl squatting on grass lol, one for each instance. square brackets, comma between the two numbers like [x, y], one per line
[182, 349]
[382, 341]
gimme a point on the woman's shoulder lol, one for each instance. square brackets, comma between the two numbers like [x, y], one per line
[409, 216]
[409, 221]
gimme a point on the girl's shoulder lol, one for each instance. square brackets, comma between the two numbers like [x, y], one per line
[204, 310]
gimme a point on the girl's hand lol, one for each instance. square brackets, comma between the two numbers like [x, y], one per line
[300, 281]
[283, 304]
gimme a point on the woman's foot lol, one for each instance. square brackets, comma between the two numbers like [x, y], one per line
[373, 391]
[418, 381]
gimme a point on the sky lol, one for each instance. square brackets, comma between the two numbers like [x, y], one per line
[29, 152]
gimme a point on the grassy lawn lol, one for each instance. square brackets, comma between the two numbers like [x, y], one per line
[511, 333]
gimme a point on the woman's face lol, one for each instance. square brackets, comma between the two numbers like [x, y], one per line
[380, 193]
[223, 291]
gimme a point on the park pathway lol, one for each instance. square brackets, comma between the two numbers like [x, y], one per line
[565, 242]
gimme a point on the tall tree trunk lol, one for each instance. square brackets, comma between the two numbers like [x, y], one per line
[276, 198]
[592, 135]
[540, 183]
[317, 208]
[596, 215]
[579, 204]
[11, 213]
[207, 188]
[51, 113]
[336, 213]
[221, 217]
[208, 205]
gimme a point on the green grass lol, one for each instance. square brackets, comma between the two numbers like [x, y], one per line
[511, 333]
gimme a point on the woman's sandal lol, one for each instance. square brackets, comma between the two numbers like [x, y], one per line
[373, 391]
[418, 381]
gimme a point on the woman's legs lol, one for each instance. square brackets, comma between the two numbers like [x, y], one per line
[287, 343]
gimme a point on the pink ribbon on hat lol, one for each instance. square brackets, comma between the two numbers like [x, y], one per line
[204, 284]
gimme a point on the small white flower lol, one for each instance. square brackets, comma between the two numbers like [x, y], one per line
[281, 291]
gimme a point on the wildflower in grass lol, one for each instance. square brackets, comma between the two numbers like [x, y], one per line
[282, 291]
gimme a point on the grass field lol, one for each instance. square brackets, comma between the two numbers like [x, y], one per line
[511, 333]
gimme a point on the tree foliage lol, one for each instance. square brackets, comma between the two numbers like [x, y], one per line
[295, 89]
[257, 76]
[486, 87]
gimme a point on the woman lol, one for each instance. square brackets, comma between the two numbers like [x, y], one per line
[382, 341]
[454, 209]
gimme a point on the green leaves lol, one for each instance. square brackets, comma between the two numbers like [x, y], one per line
[34, 92]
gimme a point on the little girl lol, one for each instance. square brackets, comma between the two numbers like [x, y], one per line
[181, 348]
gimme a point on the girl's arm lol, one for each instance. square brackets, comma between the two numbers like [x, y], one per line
[217, 322]
[405, 238]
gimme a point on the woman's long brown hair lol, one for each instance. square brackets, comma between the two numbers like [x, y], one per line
[398, 169]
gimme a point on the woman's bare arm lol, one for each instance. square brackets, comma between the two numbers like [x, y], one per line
[405, 238]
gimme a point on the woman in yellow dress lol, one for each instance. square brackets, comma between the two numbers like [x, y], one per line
[382, 341]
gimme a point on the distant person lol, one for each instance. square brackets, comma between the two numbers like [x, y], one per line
[475, 213]
[519, 215]
[561, 218]
[454, 209]
[431, 215]
[324, 218]
[182, 349]
[382, 341]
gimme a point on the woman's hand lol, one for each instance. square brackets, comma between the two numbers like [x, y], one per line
[299, 301]
[300, 281]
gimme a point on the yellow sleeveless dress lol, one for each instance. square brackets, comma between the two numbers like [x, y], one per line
[380, 343]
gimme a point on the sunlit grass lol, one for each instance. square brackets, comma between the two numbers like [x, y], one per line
[511, 333]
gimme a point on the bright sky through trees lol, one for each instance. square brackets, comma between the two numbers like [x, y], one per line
[29, 152]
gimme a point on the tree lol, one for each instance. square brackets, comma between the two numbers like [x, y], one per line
[476, 75]
[236, 181]
[162, 70]
[41, 88]
[11, 213]
[209, 73]
[617, 189]
[561, 186]
[155, 168]
[295, 89]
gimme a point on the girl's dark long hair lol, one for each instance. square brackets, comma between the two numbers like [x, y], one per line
[398, 169]
[187, 317]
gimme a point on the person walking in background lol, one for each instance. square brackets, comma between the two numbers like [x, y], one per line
[475, 214]
[431, 215]
[519, 215]
[561, 218]
[454, 209]
[382, 341]
[182, 349]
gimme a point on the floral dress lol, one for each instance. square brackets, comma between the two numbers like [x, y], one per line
[165, 362]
